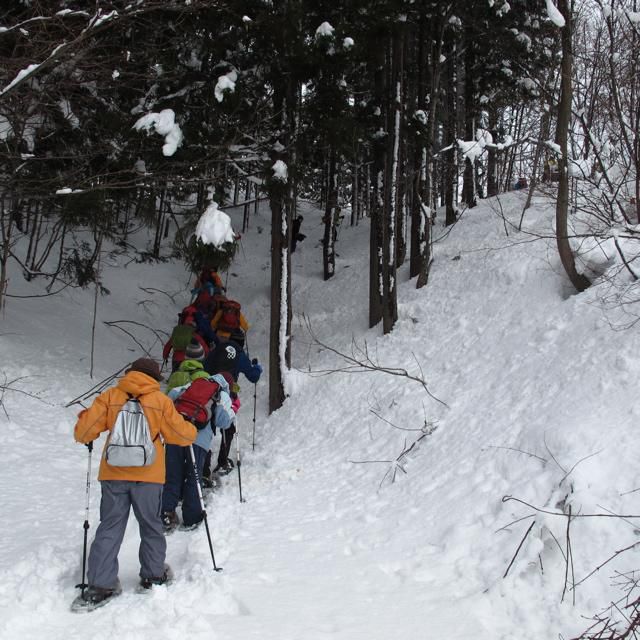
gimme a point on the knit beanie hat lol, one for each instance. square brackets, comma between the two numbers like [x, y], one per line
[148, 366]
[194, 351]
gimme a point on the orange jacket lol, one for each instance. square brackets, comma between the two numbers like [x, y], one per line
[162, 417]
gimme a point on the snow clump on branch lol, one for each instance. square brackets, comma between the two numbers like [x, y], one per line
[214, 227]
[280, 171]
[164, 123]
[227, 82]
[325, 29]
[554, 15]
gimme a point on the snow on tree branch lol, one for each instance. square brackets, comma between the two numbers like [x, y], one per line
[165, 124]
[554, 15]
[214, 227]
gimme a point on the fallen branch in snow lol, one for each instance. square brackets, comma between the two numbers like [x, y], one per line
[606, 628]
[97, 388]
[515, 555]
[565, 515]
[153, 290]
[427, 429]
[526, 453]
[6, 386]
[607, 561]
[117, 323]
[624, 259]
[360, 362]
[569, 563]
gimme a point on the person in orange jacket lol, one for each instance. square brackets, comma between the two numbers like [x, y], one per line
[126, 487]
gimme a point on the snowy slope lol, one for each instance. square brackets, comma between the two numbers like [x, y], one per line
[532, 396]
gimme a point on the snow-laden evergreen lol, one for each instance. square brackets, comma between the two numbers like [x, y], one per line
[531, 393]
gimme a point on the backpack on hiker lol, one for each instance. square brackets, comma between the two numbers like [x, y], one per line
[181, 336]
[130, 443]
[229, 319]
[212, 277]
[188, 371]
[196, 403]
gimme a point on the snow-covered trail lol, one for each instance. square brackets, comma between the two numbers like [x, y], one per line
[326, 545]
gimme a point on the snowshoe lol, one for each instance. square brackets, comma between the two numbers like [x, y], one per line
[146, 584]
[94, 598]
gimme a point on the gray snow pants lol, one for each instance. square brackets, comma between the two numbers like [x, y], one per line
[118, 496]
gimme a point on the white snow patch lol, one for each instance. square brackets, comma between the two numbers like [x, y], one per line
[163, 123]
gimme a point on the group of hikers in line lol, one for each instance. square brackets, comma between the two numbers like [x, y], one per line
[158, 451]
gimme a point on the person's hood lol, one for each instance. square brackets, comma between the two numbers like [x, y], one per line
[219, 378]
[189, 366]
[137, 383]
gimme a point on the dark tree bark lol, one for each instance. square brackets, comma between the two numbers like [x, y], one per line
[450, 160]
[330, 218]
[469, 185]
[579, 281]
[390, 228]
[377, 234]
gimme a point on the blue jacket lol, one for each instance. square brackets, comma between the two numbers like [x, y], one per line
[241, 364]
[203, 327]
[223, 416]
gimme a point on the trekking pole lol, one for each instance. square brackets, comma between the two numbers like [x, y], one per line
[204, 511]
[83, 585]
[238, 459]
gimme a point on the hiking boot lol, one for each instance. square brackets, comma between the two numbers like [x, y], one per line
[190, 527]
[98, 595]
[166, 577]
[169, 520]
[224, 469]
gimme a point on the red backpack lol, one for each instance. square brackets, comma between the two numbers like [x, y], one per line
[230, 317]
[196, 402]
[188, 315]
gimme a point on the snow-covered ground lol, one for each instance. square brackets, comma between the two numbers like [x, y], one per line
[531, 393]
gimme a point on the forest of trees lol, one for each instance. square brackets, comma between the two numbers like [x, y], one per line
[117, 115]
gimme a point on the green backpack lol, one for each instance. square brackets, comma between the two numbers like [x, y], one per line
[181, 336]
[188, 371]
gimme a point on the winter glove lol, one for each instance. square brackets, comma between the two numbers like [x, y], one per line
[235, 404]
[257, 365]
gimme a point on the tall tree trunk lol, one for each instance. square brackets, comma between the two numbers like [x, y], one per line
[450, 159]
[281, 196]
[376, 178]
[418, 143]
[394, 132]
[469, 184]
[6, 226]
[429, 179]
[492, 183]
[579, 281]
[330, 218]
[355, 188]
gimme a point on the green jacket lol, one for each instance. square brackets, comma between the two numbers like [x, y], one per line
[188, 371]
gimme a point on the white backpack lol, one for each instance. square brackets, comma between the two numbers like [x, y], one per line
[130, 443]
